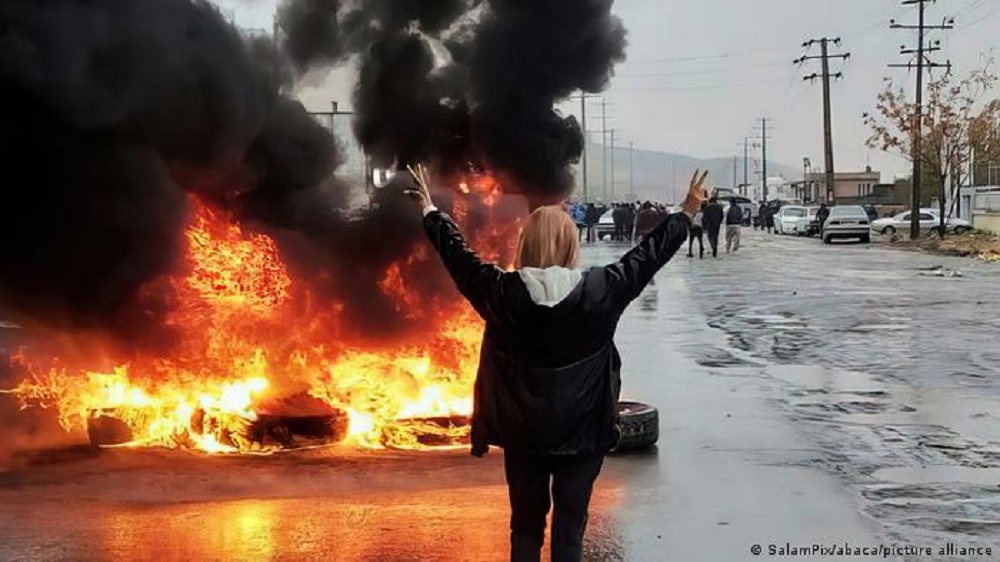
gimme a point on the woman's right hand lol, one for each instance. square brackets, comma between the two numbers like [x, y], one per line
[697, 194]
[422, 194]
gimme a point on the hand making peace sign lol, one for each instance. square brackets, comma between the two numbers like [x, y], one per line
[697, 194]
[422, 178]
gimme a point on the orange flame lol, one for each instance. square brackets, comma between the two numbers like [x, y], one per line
[250, 334]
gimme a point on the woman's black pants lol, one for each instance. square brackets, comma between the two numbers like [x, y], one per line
[530, 480]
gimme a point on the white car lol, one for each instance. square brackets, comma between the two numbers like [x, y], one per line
[787, 219]
[929, 221]
[847, 221]
[801, 227]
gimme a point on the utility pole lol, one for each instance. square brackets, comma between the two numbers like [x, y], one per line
[922, 62]
[736, 188]
[825, 57]
[604, 145]
[631, 169]
[763, 157]
[673, 179]
[806, 187]
[612, 133]
[330, 116]
[746, 171]
[586, 139]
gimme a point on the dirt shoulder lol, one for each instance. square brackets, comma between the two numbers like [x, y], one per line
[979, 245]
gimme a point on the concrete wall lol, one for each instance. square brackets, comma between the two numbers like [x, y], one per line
[987, 221]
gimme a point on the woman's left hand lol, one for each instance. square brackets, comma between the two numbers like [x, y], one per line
[696, 194]
[422, 194]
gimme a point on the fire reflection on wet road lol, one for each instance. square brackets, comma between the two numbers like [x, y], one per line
[450, 525]
[320, 505]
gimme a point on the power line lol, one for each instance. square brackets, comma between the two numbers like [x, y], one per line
[974, 4]
[985, 17]
[734, 55]
[701, 87]
[701, 72]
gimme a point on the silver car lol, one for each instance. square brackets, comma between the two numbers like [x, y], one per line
[929, 221]
[847, 221]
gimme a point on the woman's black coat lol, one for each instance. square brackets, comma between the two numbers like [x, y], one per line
[549, 376]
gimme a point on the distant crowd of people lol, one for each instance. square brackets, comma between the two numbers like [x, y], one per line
[632, 221]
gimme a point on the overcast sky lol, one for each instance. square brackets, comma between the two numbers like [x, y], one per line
[700, 73]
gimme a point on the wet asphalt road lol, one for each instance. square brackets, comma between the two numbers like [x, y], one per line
[808, 394]
[889, 369]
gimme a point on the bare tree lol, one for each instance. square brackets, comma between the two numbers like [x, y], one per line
[953, 124]
[984, 134]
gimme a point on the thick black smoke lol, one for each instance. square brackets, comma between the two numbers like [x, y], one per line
[117, 110]
[114, 109]
[458, 81]
[526, 56]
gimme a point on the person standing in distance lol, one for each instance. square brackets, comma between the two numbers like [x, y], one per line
[712, 221]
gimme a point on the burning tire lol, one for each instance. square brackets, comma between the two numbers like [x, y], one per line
[416, 433]
[640, 426]
[287, 423]
[104, 429]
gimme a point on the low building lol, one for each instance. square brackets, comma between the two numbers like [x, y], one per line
[849, 188]
[981, 205]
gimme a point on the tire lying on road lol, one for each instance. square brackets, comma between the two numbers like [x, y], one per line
[640, 426]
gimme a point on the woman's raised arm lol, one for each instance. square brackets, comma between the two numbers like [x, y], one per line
[477, 280]
[629, 276]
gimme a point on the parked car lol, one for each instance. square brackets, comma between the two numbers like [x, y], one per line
[605, 225]
[847, 221]
[872, 212]
[787, 219]
[809, 224]
[929, 222]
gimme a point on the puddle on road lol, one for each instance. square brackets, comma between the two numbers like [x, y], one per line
[936, 474]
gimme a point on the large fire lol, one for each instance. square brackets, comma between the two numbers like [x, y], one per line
[254, 343]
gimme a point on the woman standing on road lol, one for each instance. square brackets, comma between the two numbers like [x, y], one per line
[549, 373]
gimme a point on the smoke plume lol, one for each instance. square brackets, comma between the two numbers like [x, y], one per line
[118, 110]
[459, 81]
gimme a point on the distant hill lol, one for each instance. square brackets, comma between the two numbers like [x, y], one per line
[662, 176]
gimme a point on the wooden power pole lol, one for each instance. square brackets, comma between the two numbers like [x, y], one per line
[825, 57]
[922, 62]
[586, 140]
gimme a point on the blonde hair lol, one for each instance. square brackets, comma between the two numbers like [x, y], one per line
[549, 238]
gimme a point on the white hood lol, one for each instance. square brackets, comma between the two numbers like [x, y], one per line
[548, 287]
